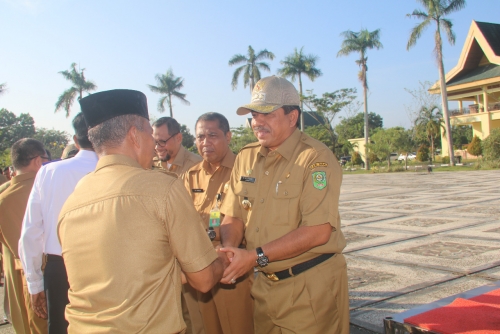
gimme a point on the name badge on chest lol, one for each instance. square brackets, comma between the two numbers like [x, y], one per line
[197, 190]
[247, 179]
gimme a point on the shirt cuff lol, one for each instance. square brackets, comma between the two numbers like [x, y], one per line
[35, 287]
[202, 262]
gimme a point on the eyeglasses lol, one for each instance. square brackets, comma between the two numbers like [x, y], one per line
[162, 143]
[41, 156]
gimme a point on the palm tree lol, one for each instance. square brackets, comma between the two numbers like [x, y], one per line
[296, 64]
[360, 42]
[430, 120]
[251, 68]
[80, 85]
[170, 85]
[3, 88]
[436, 10]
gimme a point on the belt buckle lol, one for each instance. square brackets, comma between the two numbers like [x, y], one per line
[272, 276]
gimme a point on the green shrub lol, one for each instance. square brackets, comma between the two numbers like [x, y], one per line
[445, 160]
[475, 147]
[491, 146]
[372, 157]
[356, 158]
[423, 153]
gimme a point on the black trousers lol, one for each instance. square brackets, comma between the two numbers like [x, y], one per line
[55, 281]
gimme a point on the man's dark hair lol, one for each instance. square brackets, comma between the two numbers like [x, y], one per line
[112, 132]
[24, 150]
[48, 154]
[173, 126]
[81, 131]
[289, 109]
[214, 116]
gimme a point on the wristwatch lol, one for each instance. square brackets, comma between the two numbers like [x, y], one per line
[211, 233]
[262, 260]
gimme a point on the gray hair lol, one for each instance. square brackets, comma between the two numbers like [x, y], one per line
[112, 133]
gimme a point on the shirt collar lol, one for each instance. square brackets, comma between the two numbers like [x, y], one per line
[286, 148]
[179, 158]
[227, 161]
[86, 154]
[116, 159]
[22, 177]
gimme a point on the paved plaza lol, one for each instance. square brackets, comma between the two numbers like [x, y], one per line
[414, 238]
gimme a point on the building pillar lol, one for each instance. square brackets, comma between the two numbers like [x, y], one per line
[460, 105]
[485, 99]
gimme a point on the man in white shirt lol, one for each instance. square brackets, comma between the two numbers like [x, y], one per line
[53, 185]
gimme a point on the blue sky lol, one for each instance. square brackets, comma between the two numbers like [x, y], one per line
[124, 44]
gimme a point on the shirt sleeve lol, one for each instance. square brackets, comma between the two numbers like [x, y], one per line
[319, 202]
[231, 204]
[188, 239]
[31, 244]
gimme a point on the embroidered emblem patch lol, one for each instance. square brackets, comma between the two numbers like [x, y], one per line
[318, 164]
[319, 180]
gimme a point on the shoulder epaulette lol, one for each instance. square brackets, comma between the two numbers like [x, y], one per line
[251, 145]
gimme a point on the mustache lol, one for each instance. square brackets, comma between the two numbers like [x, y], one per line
[260, 128]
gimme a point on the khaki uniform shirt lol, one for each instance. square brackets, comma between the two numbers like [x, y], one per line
[182, 162]
[298, 184]
[124, 242]
[13, 203]
[4, 186]
[204, 187]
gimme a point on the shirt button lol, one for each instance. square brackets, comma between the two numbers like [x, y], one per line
[262, 200]
[286, 193]
[267, 172]
[257, 229]
[245, 192]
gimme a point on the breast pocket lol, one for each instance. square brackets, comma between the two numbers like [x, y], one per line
[246, 193]
[286, 204]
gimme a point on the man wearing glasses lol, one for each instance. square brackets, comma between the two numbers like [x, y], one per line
[171, 155]
[53, 185]
[27, 156]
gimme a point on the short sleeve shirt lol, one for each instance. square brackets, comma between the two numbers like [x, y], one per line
[183, 161]
[204, 186]
[126, 233]
[276, 192]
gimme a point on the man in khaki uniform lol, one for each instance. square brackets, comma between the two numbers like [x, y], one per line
[124, 239]
[283, 198]
[227, 308]
[171, 155]
[27, 156]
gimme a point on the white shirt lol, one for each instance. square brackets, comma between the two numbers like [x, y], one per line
[54, 183]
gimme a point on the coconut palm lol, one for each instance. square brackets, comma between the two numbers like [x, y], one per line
[3, 88]
[80, 85]
[430, 121]
[436, 10]
[169, 85]
[360, 42]
[251, 68]
[296, 64]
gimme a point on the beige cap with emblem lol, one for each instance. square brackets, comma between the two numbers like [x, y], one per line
[269, 94]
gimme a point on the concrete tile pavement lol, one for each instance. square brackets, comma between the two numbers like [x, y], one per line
[414, 238]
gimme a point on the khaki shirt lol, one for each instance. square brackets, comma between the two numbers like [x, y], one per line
[204, 187]
[124, 242]
[298, 184]
[182, 162]
[4, 186]
[13, 203]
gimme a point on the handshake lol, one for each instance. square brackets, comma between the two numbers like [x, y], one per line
[235, 262]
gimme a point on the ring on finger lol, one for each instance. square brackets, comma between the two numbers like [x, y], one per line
[233, 281]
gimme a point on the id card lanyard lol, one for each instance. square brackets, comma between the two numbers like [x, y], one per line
[214, 220]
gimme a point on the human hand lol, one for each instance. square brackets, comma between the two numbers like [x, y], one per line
[242, 262]
[39, 304]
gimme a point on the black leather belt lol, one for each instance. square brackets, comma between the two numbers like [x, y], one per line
[297, 269]
[52, 257]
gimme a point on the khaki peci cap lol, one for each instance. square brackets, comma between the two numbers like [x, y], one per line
[269, 94]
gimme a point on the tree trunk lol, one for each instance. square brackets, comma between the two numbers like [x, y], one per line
[170, 105]
[367, 162]
[444, 95]
[252, 84]
[301, 105]
[432, 149]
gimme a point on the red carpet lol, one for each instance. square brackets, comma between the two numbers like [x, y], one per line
[478, 315]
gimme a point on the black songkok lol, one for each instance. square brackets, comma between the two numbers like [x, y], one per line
[100, 107]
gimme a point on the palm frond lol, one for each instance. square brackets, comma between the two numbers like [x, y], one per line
[264, 54]
[447, 25]
[453, 6]
[236, 74]
[161, 103]
[181, 97]
[66, 99]
[236, 59]
[246, 76]
[416, 32]
[264, 66]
